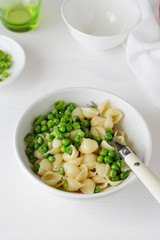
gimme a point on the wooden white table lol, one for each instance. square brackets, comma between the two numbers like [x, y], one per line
[56, 60]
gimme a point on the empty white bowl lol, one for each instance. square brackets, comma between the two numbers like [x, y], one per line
[18, 58]
[100, 24]
[138, 134]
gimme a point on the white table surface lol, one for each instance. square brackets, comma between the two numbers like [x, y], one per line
[55, 60]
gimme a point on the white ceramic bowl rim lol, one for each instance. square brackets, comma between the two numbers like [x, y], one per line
[97, 36]
[70, 194]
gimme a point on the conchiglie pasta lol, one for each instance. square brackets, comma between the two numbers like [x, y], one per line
[103, 107]
[83, 174]
[88, 146]
[45, 166]
[78, 112]
[88, 186]
[74, 154]
[90, 112]
[102, 169]
[38, 155]
[51, 178]
[115, 114]
[73, 185]
[104, 144]
[90, 160]
[108, 123]
[97, 121]
[71, 171]
[58, 161]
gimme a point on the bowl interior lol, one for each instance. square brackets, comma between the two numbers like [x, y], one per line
[138, 135]
[18, 58]
[101, 17]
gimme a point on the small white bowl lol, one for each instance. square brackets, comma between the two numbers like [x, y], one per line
[138, 134]
[18, 58]
[100, 24]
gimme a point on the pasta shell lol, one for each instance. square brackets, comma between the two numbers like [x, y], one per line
[83, 173]
[78, 112]
[51, 178]
[58, 161]
[73, 185]
[113, 184]
[73, 133]
[88, 146]
[45, 166]
[102, 169]
[38, 155]
[54, 151]
[108, 122]
[71, 170]
[97, 121]
[115, 114]
[103, 107]
[98, 179]
[75, 161]
[90, 160]
[90, 112]
[71, 156]
[104, 144]
[56, 143]
[88, 186]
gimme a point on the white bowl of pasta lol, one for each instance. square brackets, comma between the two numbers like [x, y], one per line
[63, 142]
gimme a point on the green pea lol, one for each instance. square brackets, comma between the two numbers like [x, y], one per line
[108, 159]
[36, 146]
[89, 135]
[115, 167]
[63, 148]
[44, 122]
[69, 150]
[70, 108]
[77, 145]
[115, 178]
[56, 121]
[45, 155]
[123, 175]
[50, 116]
[59, 136]
[111, 153]
[29, 151]
[66, 135]
[76, 118]
[97, 189]
[60, 105]
[54, 111]
[5, 74]
[76, 125]
[69, 127]
[72, 104]
[49, 138]
[84, 123]
[100, 159]
[29, 137]
[103, 152]
[61, 170]
[36, 167]
[119, 162]
[98, 139]
[67, 112]
[32, 158]
[108, 137]
[77, 138]
[51, 159]
[80, 133]
[112, 173]
[109, 130]
[44, 128]
[43, 148]
[62, 129]
[40, 140]
[66, 142]
[37, 129]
